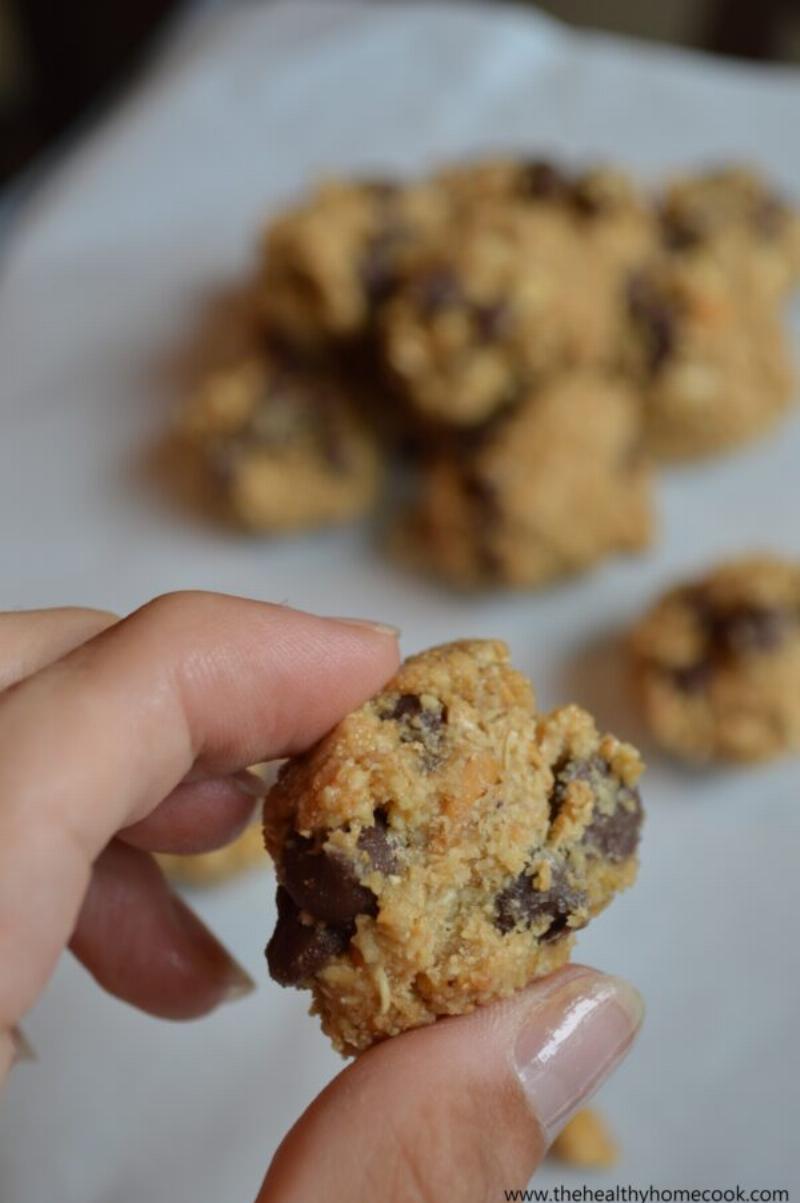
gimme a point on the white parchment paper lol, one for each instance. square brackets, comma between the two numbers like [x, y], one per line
[106, 280]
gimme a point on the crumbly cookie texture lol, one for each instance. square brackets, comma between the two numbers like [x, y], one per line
[555, 486]
[716, 663]
[282, 444]
[735, 216]
[212, 868]
[441, 846]
[332, 258]
[586, 1142]
[709, 355]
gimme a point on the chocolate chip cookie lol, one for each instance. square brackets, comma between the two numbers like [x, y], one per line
[440, 848]
[716, 663]
[553, 487]
[331, 259]
[735, 216]
[710, 357]
[281, 444]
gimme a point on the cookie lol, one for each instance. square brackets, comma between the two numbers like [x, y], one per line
[586, 1142]
[555, 486]
[282, 446]
[716, 663]
[711, 360]
[510, 293]
[735, 216]
[441, 846]
[330, 260]
[603, 205]
[212, 868]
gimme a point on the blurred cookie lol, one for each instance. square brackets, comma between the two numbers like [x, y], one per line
[438, 849]
[330, 259]
[734, 216]
[716, 663]
[555, 486]
[711, 360]
[586, 1142]
[211, 868]
[282, 445]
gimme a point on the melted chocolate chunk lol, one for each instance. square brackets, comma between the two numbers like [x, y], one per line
[323, 882]
[542, 180]
[769, 217]
[521, 904]
[656, 318]
[573, 770]
[616, 835]
[421, 722]
[678, 233]
[750, 629]
[298, 950]
[376, 843]
[693, 678]
[491, 321]
[379, 264]
[439, 289]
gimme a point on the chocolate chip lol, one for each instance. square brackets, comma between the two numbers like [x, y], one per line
[567, 770]
[769, 217]
[693, 678]
[521, 904]
[298, 950]
[379, 263]
[615, 836]
[438, 289]
[678, 233]
[542, 180]
[656, 318]
[419, 720]
[750, 629]
[376, 843]
[323, 881]
[491, 321]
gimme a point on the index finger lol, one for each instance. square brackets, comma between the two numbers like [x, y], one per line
[95, 741]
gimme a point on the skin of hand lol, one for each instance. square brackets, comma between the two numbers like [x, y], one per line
[119, 738]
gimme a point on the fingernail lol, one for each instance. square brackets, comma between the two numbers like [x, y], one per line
[240, 984]
[578, 1031]
[23, 1049]
[383, 628]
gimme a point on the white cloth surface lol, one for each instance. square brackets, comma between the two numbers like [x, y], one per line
[104, 280]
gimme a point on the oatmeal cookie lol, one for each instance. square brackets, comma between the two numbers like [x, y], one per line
[711, 361]
[439, 848]
[282, 445]
[716, 663]
[555, 486]
[333, 258]
[510, 294]
[734, 216]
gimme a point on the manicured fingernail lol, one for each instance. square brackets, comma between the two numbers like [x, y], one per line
[250, 784]
[240, 984]
[577, 1032]
[383, 628]
[23, 1049]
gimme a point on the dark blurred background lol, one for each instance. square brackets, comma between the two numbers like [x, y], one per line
[61, 61]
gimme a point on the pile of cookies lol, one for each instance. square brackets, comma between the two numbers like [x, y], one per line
[518, 342]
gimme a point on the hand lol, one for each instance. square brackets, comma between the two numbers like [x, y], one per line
[119, 738]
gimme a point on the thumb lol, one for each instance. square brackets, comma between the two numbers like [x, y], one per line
[465, 1108]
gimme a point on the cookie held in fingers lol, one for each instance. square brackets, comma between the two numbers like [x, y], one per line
[440, 847]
